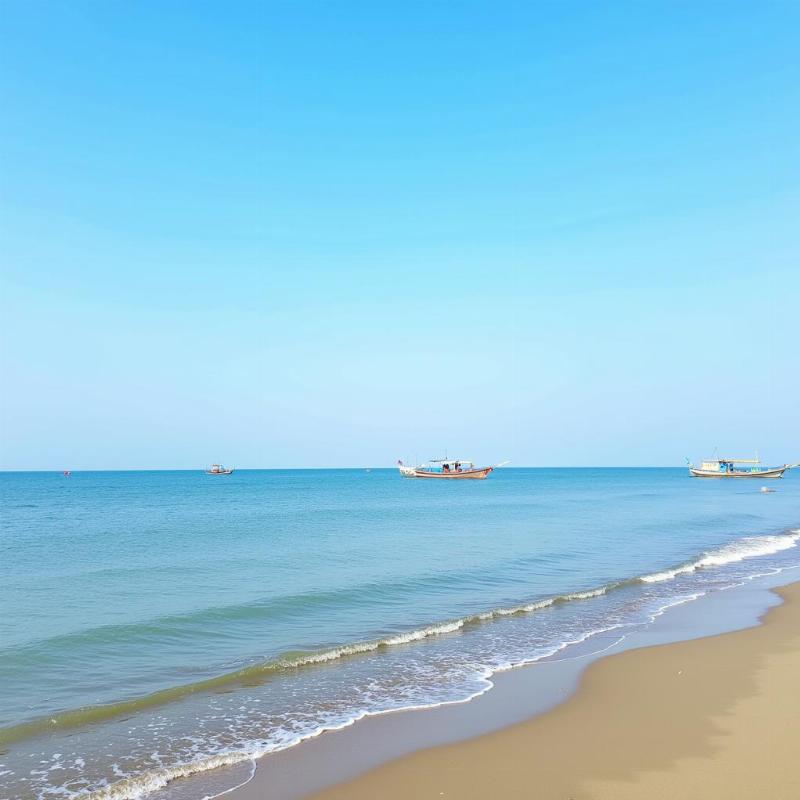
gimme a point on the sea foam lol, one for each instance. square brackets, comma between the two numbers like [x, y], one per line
[749, 547]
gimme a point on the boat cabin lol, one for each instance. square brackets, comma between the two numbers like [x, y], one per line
[728, 465]
[447, 465]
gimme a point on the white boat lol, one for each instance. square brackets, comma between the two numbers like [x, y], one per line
[727, 468]
[447, 468]
[218, 469]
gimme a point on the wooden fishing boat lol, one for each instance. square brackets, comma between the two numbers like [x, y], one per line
[218, 469]
[727, 468]
[448, 469]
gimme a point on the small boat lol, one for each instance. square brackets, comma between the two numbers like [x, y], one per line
[727, 468]
[767, 490]
[218, 469]
[67, 473]
[457, 468]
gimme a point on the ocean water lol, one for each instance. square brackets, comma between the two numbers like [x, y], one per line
[159, 624]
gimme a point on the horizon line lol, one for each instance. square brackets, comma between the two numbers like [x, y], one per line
[328, 468]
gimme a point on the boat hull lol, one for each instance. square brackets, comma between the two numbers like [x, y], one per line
[767, 473]
[466, 474]
[220, 472]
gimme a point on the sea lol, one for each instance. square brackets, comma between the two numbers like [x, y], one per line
[157, 625]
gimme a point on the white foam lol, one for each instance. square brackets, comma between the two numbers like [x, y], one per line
[667, 574]
[586, 595]
[540, 604]
[527, 608]
[368, 647]
[424, 633]
[332, 654]
[151, 781]
[748, 547]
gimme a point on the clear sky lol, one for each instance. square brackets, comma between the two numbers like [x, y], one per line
[338, 233]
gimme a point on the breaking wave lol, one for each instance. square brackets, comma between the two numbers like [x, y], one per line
[135, 786]
[749, 547]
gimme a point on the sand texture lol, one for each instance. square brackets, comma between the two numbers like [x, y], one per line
[711, 718]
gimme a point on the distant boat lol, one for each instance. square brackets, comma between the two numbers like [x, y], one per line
[767, 490]
[727, 468]
[218, 469]
[457, 468]
[67, 473]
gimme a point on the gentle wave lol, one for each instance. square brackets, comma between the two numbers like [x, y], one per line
[133, 787]
[152, 780]
[749, 547]
[195, 623]
[136, 787]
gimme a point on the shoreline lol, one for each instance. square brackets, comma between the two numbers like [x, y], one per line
[379, 755]
[715, 717]
[507, 693]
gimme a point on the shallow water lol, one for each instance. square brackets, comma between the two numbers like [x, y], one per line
[159, 623]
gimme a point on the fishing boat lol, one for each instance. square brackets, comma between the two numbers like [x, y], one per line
[218, 469]
[730, 468]
[447, 468]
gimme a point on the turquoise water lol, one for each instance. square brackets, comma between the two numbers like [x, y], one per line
[156, 624]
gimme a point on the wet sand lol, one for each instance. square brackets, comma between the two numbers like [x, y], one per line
[717, 717]
[712, 718]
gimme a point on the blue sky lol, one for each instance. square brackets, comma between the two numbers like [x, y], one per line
[320, 234]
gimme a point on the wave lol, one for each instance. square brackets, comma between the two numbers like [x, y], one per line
[265, 670]
[136, 786]
[197, 622]
[749, 547]
[152, 780]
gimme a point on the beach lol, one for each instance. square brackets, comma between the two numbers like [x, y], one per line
[715, 717]
[204, 629]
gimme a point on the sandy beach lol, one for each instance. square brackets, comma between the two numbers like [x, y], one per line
[399, 400]
[717, 717]
[455, 638]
